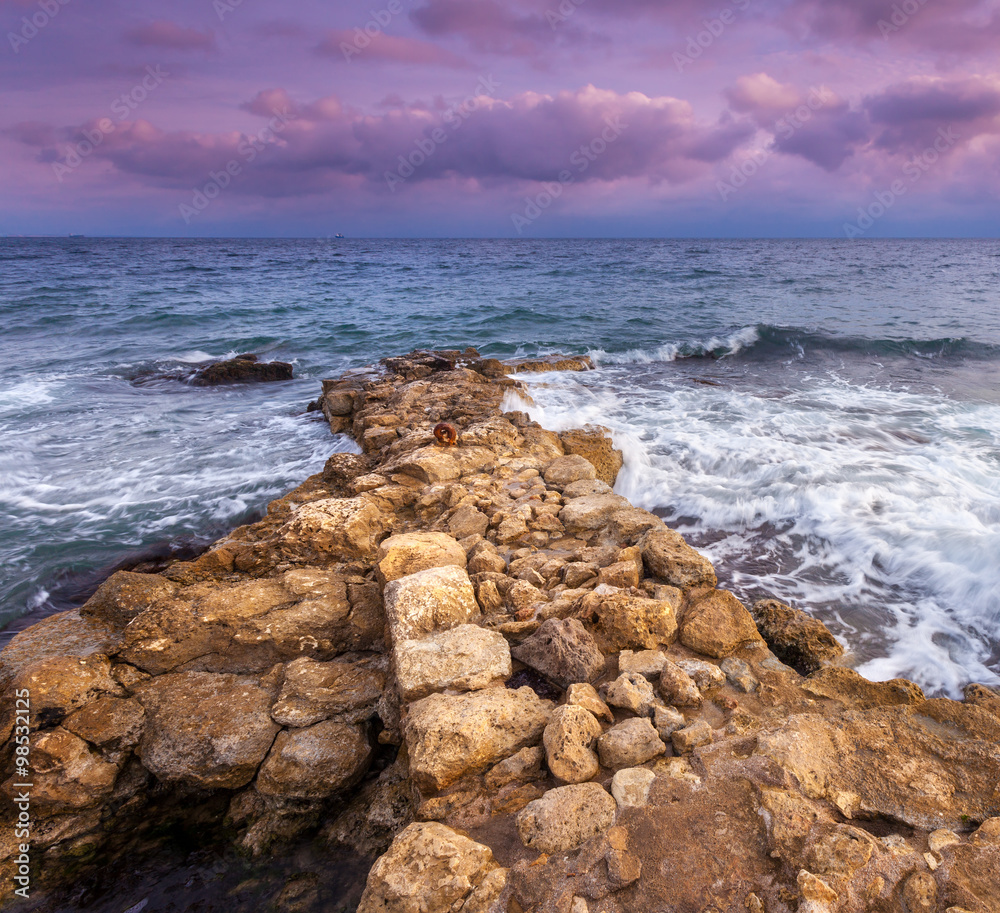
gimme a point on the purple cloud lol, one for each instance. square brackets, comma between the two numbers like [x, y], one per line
[348, 46]
[165, 34]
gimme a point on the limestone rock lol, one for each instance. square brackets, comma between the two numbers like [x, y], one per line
[633, 692]
[523, 596]
[467, 521]
[677, 687]
[631, 786]
[667, 556]
[407, 553]
[124, 595]
[585, 487]
[449, 737]
[208, 730]
[594, 443]
[420, 603]
[856, 691]
[564, 470]
[718, 624]
[241, 370]
[315, 762]
[629, 744]
[523, 766]
[439, 464]
[591, 511]
[464, 658]
[739, 675]
[111, 724]
[340, 526]
[648, 663]
[802, 642]
[60, 684]
[585, 695]
[563, 651]
[691, 737]
[569, 742]
[666, 721]
[430, 867]
[578, 573]
[621, 574]
[631, 622]
[565, 817]
[704, 675]
[314, 691]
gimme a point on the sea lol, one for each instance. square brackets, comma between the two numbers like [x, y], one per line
[820, 417]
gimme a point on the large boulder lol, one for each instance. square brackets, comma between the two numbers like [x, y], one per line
[567, 469]
[465, 658]
[563, 651]
[569, 744]
[342, 527]
[441, 464]
[592, 512]
[205, 729]
[565, 817]
[243, 369]
[451, 736]
[595, 445]
[432, 868]
[717, 625]
[315, 762]
[126, 594]
[667, 556]
[424, 602]
[408, 553]
[624, 622]
[799, 641]
[314, 691]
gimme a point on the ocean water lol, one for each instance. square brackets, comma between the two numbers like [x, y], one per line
[822, 418]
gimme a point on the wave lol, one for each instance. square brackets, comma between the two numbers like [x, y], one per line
[765, 341]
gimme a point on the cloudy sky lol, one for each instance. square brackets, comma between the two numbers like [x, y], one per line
[464, 117]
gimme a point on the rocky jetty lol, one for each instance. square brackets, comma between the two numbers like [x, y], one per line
[518, 692]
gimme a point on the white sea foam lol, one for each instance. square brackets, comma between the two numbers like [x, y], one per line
[878, 510]
[719, 346]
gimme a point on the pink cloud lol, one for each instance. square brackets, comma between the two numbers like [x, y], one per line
[351, 46]
[165, 34]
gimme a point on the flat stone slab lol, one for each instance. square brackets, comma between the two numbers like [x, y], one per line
[422, 603]
[464, 658]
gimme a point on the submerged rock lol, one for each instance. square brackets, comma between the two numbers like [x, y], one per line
[241, 370]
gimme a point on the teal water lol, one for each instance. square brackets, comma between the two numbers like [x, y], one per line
[822, 417]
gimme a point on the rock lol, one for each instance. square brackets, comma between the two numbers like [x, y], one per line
[569, 742]
[522, 597]
[439, 597]
[66, 775]
[986, 698]
[631, 622]
[440, 464]
[208, 730]
[621, 574]
[632, 692]
[563, 651]
[578, 573]
[315, 762]
[430, 867]
[314, 691]
[243, 369]
[594, 444]
[739, 675]
[565, 817]
[464, 658]
[339, 526]
[449, 737]
[666, 721]
[467, 521]
[522, 767]
[920, 893]
[717, 625]
[484, 559]
[629, 744]
[941, 838]
[59, 685]
[691, 737]
[564, 470]
[585, 487]
[799, 641]
[677, 687]
[583, 694]
[124, 595]
[489, 598]
[591, 511]
[631, 786]
[408, 553]
[848, 686]
[988, 833]
[705, 675]
[648, 663]
[667, 556]
[111, 724]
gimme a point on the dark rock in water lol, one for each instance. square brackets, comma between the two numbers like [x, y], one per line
[241, 370]
[802, 642]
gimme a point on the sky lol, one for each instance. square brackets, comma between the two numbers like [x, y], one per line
[501, 118]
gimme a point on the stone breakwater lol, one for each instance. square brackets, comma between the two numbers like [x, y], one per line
[516, 690]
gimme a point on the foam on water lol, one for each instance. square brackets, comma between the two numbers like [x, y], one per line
[877, 510]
